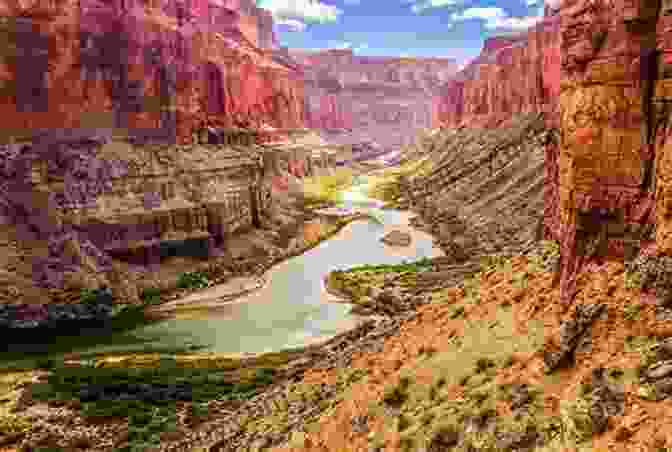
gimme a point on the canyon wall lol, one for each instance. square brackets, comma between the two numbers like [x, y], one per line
[599, 70]
[511, 75]
[163, 69]
[381, 99]
[131, 134]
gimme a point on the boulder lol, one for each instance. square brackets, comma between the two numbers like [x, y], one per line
[397, 238]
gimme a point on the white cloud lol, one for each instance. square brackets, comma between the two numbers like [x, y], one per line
[487, 14]
[305, 10]
[532, 2]
[514, 23]
[292, 24]
[496, 18]
[426, 4]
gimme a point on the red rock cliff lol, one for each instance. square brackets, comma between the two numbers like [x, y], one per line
[601, 71]
[139, 66]
[383, 99]
[511, 75]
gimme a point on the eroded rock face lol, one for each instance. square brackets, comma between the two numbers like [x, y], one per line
[130, 137]
[511, 75]
[160, 70]
[379, 98]
[599, 70]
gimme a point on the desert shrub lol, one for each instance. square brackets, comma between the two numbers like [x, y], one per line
[650, 272]
[193, 280]
[101, 295]
[151, 295]
[545, 256]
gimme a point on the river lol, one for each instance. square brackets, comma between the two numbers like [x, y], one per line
[292, 309]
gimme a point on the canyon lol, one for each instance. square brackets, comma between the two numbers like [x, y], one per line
[597, 70]
[383, 100]
[131, 123]
[135, 129]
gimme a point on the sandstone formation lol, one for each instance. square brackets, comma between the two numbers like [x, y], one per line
[132, 133]
[379, 99]
[518, 74]
[160, 69]
[598, 71]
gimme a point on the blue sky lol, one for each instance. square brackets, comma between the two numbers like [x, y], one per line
[422, 28]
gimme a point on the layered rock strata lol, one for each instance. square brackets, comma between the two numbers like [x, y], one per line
[73, 208]
[154, 70]
[598, 70]
[131, 136]
[480, 191]
[511, 75]
[381, 99]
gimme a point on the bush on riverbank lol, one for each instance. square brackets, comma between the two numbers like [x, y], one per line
[415, 266]
[151, 296]
[193, 280]
[356, 282]
[146, 397]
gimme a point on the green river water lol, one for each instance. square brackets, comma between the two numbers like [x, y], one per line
[291, 310]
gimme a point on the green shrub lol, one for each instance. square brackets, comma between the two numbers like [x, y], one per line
[151, 295]
[94, 296]
[545, 256]
[631, 311]
[193, 280]
[147, 418]
[395, 395]
[412, 267]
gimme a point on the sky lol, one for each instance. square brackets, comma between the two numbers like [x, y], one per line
[412, 28]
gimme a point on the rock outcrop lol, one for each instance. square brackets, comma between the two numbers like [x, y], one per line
[397, 238]
[598, 71]
[512, 75]
[380, 99]
[160, 69]
[132, 136]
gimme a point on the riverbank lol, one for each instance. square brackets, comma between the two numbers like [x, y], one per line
[314, 233]
[238, 369]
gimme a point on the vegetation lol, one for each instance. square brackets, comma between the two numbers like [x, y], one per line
[631, 311]
[151, 295]
[193, 280]
[146, 397]
[417, 266]
[95, 296]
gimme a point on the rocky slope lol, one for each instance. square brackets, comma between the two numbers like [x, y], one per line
[478, 191]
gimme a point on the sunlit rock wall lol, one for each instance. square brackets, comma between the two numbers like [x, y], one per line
[382, 99]
[163, 69]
